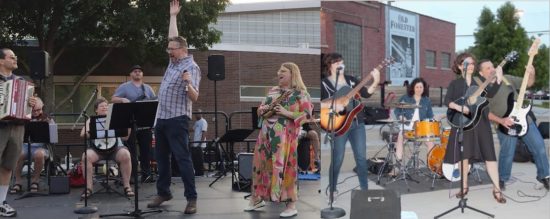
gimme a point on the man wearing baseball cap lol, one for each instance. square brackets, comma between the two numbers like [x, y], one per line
[132, 91]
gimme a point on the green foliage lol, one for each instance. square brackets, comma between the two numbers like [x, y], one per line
[498, 35]
[541, 68]
[139, 26]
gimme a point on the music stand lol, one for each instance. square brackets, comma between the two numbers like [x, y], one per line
[104, 134]
[132, 115]
[230, 137]
[35, 132]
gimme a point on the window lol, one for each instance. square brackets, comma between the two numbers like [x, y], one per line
[348, 43]
[445, 60]
[251, 93]
[430, 58]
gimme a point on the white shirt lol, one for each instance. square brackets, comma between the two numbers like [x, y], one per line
[199, 127]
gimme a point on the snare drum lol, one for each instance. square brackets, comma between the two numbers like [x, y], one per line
[409, 134]
[427, 130]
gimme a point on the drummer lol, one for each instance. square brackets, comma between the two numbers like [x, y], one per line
[417, 94]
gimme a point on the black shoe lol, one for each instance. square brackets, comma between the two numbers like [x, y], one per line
[545, 182]
[502, 185]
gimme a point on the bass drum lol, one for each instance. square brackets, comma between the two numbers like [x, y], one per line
[435, 159]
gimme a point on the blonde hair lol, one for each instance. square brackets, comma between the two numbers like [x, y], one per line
[296, 78]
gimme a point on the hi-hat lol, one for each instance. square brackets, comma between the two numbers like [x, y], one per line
[402, 105]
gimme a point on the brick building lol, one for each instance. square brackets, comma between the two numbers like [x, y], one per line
[367, 32]
[257, 38]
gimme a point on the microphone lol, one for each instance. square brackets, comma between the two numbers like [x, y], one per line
[186, 83]
[465, 66]
[341, 67]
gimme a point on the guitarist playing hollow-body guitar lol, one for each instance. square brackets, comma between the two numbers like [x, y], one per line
[502, 107]
[477, 144]
[356, 133]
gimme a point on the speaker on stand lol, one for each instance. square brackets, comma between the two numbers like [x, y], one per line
[216, 72]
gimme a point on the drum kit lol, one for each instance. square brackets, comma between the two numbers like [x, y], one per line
[423, 132]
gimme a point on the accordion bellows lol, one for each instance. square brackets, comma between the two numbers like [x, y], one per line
[13, 100]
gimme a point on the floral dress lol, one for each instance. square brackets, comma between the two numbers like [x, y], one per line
[275, 170]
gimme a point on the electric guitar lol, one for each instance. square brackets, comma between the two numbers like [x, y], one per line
[518, 111]
[349, 100]
[476, 101]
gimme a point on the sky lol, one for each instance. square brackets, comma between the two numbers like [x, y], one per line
[464, 14]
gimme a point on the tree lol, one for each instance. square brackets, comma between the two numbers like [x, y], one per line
[498, 35]
[140, 27]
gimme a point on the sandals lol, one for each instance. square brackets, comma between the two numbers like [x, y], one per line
[128, 192]
[87, 192]
[34, 187]
[16, 188]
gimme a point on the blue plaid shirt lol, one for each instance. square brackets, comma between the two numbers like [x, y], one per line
[173, 99]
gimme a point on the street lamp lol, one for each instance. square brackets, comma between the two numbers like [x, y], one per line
[518, 13]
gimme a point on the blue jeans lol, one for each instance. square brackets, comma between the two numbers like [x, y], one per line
[534, 143]
[358, 140]
[172, 136]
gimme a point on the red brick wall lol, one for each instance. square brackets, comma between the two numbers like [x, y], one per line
[435, 35]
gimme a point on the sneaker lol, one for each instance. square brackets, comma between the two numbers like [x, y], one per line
[191, 207]
[502, 185]
[158, 201]
[7, 211]
[259, 204]
[289, 213]
[546, 182]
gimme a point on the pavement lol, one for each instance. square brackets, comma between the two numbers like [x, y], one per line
[525, 196]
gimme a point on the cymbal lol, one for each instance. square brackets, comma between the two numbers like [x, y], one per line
[402, 105]
[393, 121]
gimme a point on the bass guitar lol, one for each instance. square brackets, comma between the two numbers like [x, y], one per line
[475, 102]
[349, 101]
[518, 111]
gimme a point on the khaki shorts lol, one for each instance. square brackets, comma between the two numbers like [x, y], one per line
[11, 139]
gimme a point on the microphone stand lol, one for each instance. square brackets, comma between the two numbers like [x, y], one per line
[85, 209]
[332, 212]
[462, 202]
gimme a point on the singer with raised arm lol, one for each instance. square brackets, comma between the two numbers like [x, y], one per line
[478, 141]
[334, 71]
[132, 91]
[275, 171]
[178, 91]
[11, 131]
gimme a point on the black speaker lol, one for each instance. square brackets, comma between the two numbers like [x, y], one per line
[245, 165]
[375, 204]
[39, 65]
[216, 67]
[255, 124]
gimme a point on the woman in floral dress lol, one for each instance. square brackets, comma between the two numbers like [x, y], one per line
[275, 170]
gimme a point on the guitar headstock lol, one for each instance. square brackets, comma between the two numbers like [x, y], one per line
[386, 62]
[534, 50]
[511, 56]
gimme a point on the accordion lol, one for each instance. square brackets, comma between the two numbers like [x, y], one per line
[13, 100]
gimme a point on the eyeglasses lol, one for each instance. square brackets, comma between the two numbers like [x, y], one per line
[172, 49]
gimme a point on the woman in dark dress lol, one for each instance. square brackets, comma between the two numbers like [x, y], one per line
[478, 141]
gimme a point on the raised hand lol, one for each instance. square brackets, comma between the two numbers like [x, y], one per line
[175, 7]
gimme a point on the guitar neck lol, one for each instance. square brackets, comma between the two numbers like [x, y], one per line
[521, 94]
[361, 84]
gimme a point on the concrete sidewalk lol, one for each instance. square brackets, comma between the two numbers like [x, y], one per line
[525, 196]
